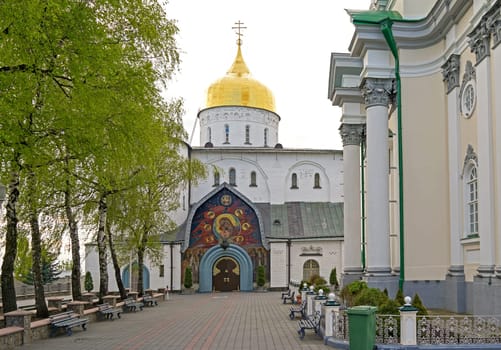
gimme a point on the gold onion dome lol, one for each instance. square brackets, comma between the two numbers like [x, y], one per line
[238, 88]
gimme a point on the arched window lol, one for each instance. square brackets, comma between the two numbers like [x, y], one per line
[471, 191]
[316, 183]
[209, 135]
[226, 133]
[294, 180]
[253, 182]
[310, 268]
[233, 177]
[247, 135]
[216, 178]
[266, 137]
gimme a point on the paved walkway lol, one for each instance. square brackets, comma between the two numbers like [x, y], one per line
[220, 321]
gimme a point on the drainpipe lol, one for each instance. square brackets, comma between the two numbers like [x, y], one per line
[362, 198]
[288, 262]
[385, 20]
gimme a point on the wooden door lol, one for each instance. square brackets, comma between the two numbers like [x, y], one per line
[226, 275]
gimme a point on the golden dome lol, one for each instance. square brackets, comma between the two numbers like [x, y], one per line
[238, 88]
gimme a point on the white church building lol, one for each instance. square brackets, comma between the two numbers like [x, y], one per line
[261, 204]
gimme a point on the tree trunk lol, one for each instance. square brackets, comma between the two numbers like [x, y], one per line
[101, 248]
[36, 268]
[116, 266]
[8, 289]
[140, 261]
[76, 288]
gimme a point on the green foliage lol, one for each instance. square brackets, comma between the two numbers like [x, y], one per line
[370, 296]
[317, 280]
[188, 279]
[50, 268]
[333, 279]
[260, 276]
[399, 297]
[418, 304]
[88, 283]
[389, 307]
[325, 288]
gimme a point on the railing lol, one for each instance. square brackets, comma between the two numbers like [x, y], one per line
[430, 330]
[458, 330]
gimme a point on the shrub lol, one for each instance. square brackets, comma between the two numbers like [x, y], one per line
[188, 279]
[88, 284]
[325, 288]
[370, 296]
[260, 276]
[317, 280]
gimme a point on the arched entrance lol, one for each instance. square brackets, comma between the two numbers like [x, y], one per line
[233, 255]
[226, 275]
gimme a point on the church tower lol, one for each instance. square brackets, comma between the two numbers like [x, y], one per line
[239, 111]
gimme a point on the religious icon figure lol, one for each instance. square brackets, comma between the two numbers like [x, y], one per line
[226, 226]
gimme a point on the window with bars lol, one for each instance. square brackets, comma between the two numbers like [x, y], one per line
[253, 182]
[472, 202]
[226, 133]
[310, 268]
[247, 135]
[233, 177]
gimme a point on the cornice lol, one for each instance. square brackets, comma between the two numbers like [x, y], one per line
[412, 34]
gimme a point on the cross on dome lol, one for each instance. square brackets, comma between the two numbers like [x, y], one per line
[239, 33]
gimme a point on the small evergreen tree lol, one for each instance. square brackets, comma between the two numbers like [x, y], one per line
[333, 279]
[261, 280]
[418, 304]
[399, 298]
[88, 283]
[188, 279]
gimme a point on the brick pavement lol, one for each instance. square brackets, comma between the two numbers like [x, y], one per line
[256, 321]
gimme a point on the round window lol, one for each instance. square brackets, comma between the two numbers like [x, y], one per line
[468, 99]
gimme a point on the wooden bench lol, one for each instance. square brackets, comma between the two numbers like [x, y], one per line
[149, 300]
[67, 321]
[289, 297]
[299, 309]
[311, 322]
[132, 305]
[108, 312]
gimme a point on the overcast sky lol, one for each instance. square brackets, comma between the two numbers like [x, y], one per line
[287, 47]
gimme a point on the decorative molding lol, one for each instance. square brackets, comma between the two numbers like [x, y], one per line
[351, 134]
[468, 92]
[378, 92]
[450, 72]
[479, 40]
[493, 24]
[471, 157]
[311, 251]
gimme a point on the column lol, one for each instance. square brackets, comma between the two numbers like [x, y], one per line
[377, 94]
[351, 135]
[479, 41]
[455, 276]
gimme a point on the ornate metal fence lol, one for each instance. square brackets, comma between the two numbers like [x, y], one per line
[458, 330]
[434, 330]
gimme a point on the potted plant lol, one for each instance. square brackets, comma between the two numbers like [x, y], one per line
[261, 280]
[88, 284]
[188, 280]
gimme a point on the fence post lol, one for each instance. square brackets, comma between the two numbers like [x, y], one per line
[329, 309]
[408, 323]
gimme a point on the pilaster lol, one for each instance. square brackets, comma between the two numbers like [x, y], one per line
[479, 41]
[450, 72]
[494, 25]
